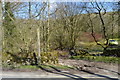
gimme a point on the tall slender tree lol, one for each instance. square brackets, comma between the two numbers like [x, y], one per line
[8, 24]
[119, 19]
[1, 32]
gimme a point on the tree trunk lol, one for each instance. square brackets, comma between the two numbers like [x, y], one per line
[38, 35]
[119, 19]
[30, 16]
[35, 59]
[1, 35]
[48, 28]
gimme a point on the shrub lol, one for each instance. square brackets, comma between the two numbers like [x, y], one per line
[17, 58]
[28, 59]
[112, 52]
[49, 58]
[80, 52]
[63, 54]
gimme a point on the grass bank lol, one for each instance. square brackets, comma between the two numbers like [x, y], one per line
[33, 67]
[98, 59]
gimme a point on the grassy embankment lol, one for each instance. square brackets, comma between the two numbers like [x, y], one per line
[33, 67]
[97, 58]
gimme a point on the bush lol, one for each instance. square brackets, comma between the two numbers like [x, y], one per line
[22, 58]
[63, 54]
[79, 52]
[112, 52]
[28, 58]
[49, 58]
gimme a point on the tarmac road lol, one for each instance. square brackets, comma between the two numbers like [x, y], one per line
[9, 75]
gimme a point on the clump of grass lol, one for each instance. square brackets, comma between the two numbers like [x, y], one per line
[61, 67]
[44, 66]
[97, 58]
[27, 67]
[8, 67]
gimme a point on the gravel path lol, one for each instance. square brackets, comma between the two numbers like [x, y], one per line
[95, 67]
[82, 68]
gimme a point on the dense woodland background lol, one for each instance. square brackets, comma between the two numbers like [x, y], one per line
[46, 28]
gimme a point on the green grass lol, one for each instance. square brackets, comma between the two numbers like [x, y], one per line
[6, 66]
[97, 58]
[27, 67]
[60, 67]
[44, 66]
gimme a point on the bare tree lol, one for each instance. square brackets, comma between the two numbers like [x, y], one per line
[98, 10]
[70, 23]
